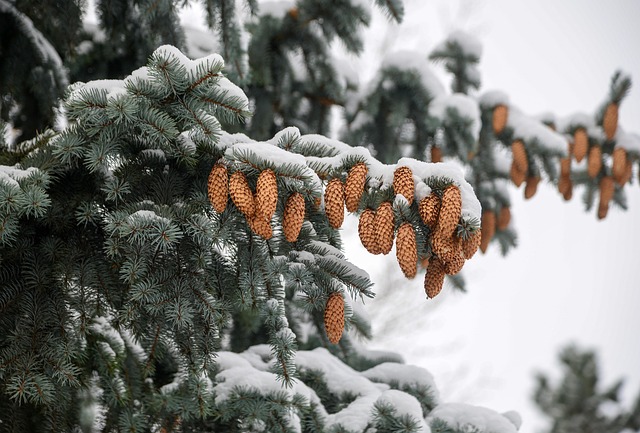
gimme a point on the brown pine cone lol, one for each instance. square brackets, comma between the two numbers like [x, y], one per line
[568, 190]
[354, 186]
[218, 187]
[500, 116]
[594, 163]
[260, 226]
[424, 262]
[531, 186]
[456, 263]
[607, 189]
[436, 154]
[580, 143]
[403, 183]
[564, 182]
[434, 278]
[406, 250]
[334, 317]
[450, 210]
[517, 176]
[445, 248]
[619, 165]
[565, 166]
[488, 227]
[471, 244]
[384, 223]
[610, 120]
[266, 198]
[367, 231]
[293, 216]
[504, 218]
[520, 156]
[603, 209]
[241, 194]
[628, 173]
[429, 209]
[334, 202]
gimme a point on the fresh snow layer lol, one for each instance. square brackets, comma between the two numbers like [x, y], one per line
[492, 98]
[406, 60]
[629, 141]
[465, 105]
[405, 404]
[470, 45]
[465, 416]
[404, 375]
[529, 129]
[12, 174]
[276, 9]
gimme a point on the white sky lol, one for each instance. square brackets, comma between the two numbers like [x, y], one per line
[572, 278]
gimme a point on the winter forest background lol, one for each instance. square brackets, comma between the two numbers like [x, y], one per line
[571, 278]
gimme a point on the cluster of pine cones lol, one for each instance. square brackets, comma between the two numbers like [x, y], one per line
[581, 146]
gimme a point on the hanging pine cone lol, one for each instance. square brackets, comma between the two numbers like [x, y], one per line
[594, 164]
[520, 156]
[610, 120]
[488, 228]
[445, 248]
[406, 250]
[241, 194]
[384, 223]
[580, 143]
[531, 186]
[218, 187]
[424, 262]
[334, 202]
[565, 166]
[354, 186]
[429, 209]
[628, 173]
[504, 218]
[619, 165]
[293, 217]
[334, 317]
[367, 231]
[607, 189]
[266, 198]
[455, 264]
[500, 116]
[260, 226]
[436, 154]
[517, 176]
[568, 190]
[434, 278]
[450, 211]
[403, 183]
[471, 244]
[603, 209]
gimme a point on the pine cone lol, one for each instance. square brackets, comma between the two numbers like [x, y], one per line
[354, 186]
[500, 116]
[488, 227]
[531, 186]
[517, 176]
[520, 156]
[424, 262]
[429, 209]
[607, 189]
[471, 244]
[603, 209]
[293, 216]
[565, 166]
[367, 231]
[445, 248]
[436, 154]
[334, 202]
[504, 218]
[218, 187]
[406, 250]
[595, 161]
[403, 183]
[456, 263]
[434, 278]
[580, 143]
[384, 227]
[334, 317]
[266, 198]
[610, 120]
[260, 226]
[619, 165]
[241, 194]
[628, 173]
[449, 212]
[568, 190]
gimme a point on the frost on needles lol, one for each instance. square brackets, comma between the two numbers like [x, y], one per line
[129, 303]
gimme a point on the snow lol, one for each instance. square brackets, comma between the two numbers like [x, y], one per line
[154, 153]
[149, 215]
[187, 143]
[492, 98]
[200, 43]
[629, 141]
[232, 91]
[100, 325]
[462, 416]
[405, 404]
[421, 190]
[326, 249]
[406, 60]
[275, 9]
[465, 105]
[134, 347]
[529, 129]
[13, 174]
[469, 44]
[404, 375]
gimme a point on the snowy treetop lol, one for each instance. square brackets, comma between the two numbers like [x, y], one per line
[465, 105]
[406, 60]
[465, 416]
[492, 98]
[469, 44]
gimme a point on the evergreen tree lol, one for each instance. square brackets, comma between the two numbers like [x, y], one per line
[579, 402]
[170, 255]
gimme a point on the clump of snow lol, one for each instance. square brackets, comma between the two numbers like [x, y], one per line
[404, 375]
[147, 215]
[100, 326]
[405, 404]
[465, 105]
[406, 60]
[628, 140]
[276, 9]
[469, 44]
[421, 190]
[465, 416]
[200, 43]
[492, 98]
[13, 174]
[529, 129]
[357, 415]
[514, 417]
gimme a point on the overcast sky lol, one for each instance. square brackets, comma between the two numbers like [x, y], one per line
[572, 278]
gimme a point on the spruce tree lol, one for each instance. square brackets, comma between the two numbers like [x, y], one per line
[170, 252]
